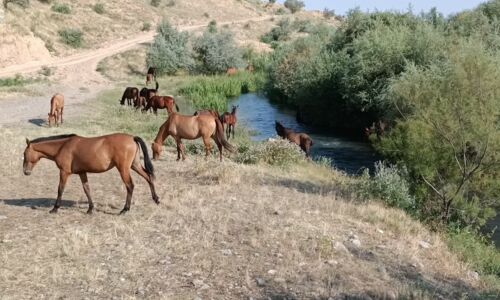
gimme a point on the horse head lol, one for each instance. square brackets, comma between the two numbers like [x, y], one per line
[51, 119]
[280, 129]
[30, 158]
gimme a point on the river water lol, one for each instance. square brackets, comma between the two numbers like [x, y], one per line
[258, 114]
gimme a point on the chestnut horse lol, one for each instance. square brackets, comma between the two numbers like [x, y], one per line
[150, 75]
[130, 94]
[160, 102]
[230, 120]
[56, 110]
[78, 155]
[301, 139]
[203, 125]
[231, 71]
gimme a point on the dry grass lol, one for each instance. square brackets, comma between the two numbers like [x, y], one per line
[220, 226]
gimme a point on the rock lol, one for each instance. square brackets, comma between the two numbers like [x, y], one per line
[227, 252]
[340, 247]
[356, 242]
[424, 244]
[380, 230]
[260, 281]
[122, 279]
[3, 217]
[332, 262]
[140, 291]
[272, 272]
[198, 283]
[473, 275]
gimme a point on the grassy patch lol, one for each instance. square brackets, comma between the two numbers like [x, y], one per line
[71, 37]
[213, 92]
[61, 8]
[99, 8]
[17, 80]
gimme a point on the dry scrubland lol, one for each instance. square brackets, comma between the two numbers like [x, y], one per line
[222, 231]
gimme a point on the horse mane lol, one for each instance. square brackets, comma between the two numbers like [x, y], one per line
[51, 138]
[280, 129]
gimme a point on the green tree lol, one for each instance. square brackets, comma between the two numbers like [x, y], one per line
[216, 51]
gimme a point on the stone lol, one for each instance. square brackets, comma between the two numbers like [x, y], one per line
[340, 247]
[227, 252]
[272, 272]
[260, 281]
[473, 275]
[424, 244]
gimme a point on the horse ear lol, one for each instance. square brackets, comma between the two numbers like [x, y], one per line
[27, 142]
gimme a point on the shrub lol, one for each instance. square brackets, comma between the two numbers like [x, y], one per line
[275, 152]
[206, 15]
[216, 52]
[328, 13]
[146, 26]
[294, 5]
[12, 81]
[212, 26]
[61, 8]
[169, 51]
[45, 71]
[155, 3]
[22, 3]
[272, 1]
[171, 3]
[99, 8]
[71, 37]
[280, 33]
[388, 184]
[281, 11]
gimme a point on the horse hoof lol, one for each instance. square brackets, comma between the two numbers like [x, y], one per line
[53, 211]
[90, 211]
[157, 201]
[124, 211]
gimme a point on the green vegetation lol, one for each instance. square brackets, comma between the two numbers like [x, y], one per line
[278, 152]
[99, 8]
[169, 52]
[72, 37]
[146, 26]
[213, 92]
[61, 8]
[294, 5]
[155, 3]
[17, 80]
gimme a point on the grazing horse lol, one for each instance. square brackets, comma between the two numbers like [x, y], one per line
[301, 139]
[130, 94]
[56, 110]
[203, 125]
[231, 71]
[78, 155]
[230, 120]
[160, 102]
[148, 94]
[150, 75]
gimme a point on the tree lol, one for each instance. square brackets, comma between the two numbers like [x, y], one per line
[216, 52]
[169, 51]
[294, 5]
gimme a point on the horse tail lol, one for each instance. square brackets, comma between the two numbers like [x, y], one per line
[219, 135]
[148, 165]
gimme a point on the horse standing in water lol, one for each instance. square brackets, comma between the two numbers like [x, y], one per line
[203, 125]
[230, 120]
[56, 110]
[301, 139]
[80, 155]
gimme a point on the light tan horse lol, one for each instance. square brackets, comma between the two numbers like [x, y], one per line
[56, 110]
[80, 155]
[181, 127]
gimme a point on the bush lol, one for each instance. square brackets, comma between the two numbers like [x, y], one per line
[99, 8]
[275, 152]
[171, 3]
[294, 5]
[155, 3]
[280, 33]
[328, 13]
[216, 52]
[388, 184]
[72, 37]
[12, 81]
[169, 51]
[61, 8]
[146, 26]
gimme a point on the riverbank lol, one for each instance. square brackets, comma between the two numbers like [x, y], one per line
[220, 231]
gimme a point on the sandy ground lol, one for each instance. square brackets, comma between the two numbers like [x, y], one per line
[75, 76]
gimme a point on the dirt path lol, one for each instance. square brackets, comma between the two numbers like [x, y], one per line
[78, 80]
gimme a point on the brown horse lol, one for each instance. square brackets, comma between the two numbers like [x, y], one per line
[150, 75]
[180, 127]
[231, 71]
[301, 139]
[160, 102]
[378, 128]
[230, 120]
[56, 110]
[130, 94]
[78, 155]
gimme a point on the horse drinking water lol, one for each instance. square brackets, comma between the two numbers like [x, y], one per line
[203, 125]
[230, 120]
[74, 154]
[301, 139]
[56, 110]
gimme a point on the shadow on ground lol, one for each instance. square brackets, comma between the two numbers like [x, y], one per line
[37, 122]
[37, 202]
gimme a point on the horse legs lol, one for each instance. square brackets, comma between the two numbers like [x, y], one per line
[233, 129]
[86, 189]
[63, 177]
[137, 167]
[62, 109]
[219, 146]
[206, 141]
[129, 184]
[155, 110]
[228, 131]
[179, 148]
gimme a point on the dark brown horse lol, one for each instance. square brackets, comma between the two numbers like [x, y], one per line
[301, 139]
[80, 155]
[229, 120]
[56, 110]
[161, 102]
[180, 127]
[151, 74]
[147, 94]
[130, 94]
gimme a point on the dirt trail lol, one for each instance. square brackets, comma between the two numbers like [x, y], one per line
[78, 79]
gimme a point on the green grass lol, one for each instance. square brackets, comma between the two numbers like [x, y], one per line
[61, 8]
[213, 92]
[17, 80]
[72, 37]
